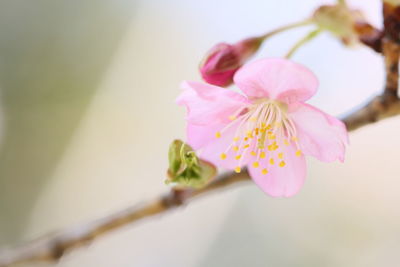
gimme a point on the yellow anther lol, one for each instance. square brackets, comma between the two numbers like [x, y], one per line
[271, 136]
[246, 146]
[262, 155]
[246, 139]
[253, 153]
[286, 142]
[298, 153]
[236, 139]
[238, 157]
[256, 164]
[263, 125]
[282, 164]
[217, 134]
[223, 156]
[249, 134]
[261, 141]
[271, 161]
[294, 138]
[280, 155]
[232, 118]
[268, 127]
[257, 131]
[264, 171]
[235, 148]
[238, 169]
[273, 146]
[262, 130]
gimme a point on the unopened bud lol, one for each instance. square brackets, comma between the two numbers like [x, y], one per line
[223, 60]
[186, 169]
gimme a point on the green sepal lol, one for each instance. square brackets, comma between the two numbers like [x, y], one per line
[186, 169]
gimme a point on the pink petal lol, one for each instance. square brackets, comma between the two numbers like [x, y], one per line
[280, 181]
[275, 78]
[319, 134]
[212, 152]
[208, 104]
[199, 136]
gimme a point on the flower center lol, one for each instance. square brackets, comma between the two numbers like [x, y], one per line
[263, 129]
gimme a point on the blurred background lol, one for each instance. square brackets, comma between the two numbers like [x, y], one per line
[87, 113]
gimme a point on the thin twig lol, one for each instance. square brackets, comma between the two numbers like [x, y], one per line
[311, 35]
[286, 28]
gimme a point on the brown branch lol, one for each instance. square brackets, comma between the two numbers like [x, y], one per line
[391, 51]
[369, 36]
[52, 247]
[377, 109]
[387, 42]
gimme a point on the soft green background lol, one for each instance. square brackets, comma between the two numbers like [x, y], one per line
[53, 55]
[87, 113]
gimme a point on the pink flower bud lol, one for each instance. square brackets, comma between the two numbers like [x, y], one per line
[223, 60]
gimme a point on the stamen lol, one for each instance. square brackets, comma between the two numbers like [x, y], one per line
[271, 136]
[265, 127]
[273, 147]
[286, 142]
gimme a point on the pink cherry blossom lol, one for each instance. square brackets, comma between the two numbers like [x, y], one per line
[269, 128]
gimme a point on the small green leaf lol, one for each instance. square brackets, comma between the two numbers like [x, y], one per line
[186, 169]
